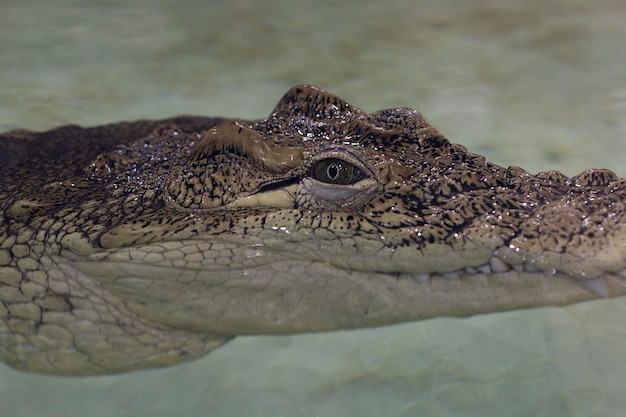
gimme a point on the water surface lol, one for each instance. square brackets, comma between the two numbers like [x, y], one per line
[538, 84]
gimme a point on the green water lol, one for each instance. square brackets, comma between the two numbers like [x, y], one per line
[540, 84]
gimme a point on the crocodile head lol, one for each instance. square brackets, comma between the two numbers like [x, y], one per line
[319, 217]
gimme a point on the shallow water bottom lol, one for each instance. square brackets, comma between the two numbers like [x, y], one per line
[538, 84]
[544, 362]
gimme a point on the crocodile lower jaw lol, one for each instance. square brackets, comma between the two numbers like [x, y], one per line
[598, 285]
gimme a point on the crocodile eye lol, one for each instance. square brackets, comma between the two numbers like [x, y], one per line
[336, 171]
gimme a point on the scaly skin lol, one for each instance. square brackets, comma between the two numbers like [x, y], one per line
[142, 244]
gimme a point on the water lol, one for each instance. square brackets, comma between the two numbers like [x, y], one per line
[538, 84]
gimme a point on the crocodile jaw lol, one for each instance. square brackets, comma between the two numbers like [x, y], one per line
[229, 289]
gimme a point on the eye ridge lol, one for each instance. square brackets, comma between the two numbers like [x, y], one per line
[336, 171]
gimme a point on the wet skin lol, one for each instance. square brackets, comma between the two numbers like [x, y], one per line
[147, 243]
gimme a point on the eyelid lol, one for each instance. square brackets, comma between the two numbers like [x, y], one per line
[343, 154]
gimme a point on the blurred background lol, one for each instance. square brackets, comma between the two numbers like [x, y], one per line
[539, 84]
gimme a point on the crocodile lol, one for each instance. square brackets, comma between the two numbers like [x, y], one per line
[143, 244]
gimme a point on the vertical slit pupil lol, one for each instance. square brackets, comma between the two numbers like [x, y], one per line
[333, 171]
[336, 171]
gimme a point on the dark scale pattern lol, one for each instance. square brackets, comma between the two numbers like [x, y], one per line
[51, 319]
[418, 204]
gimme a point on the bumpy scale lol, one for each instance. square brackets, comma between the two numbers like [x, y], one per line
[142, 244]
